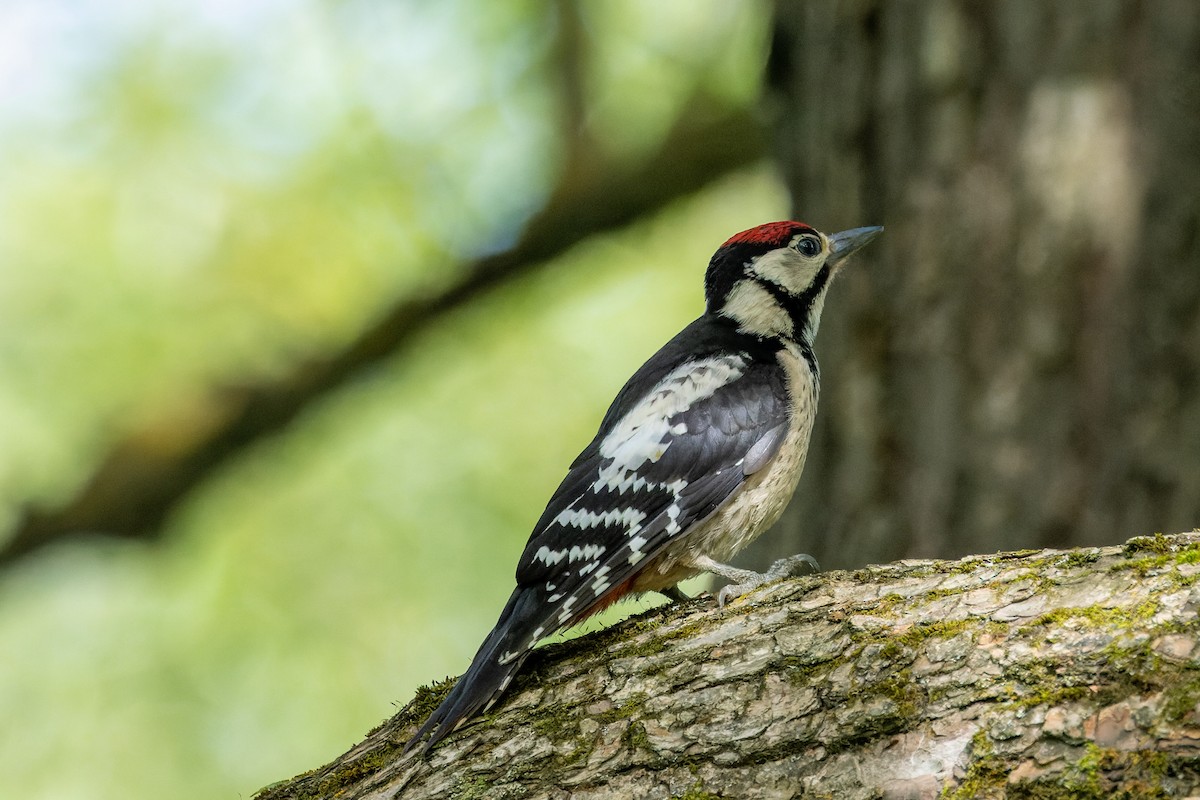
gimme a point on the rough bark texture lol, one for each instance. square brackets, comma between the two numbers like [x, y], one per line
[1040, 674]
[1015, 362]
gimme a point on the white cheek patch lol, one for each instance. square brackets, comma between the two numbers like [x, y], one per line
[755, 311]
[786, 269]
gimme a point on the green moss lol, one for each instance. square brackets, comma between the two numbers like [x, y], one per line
[361, 768]
[1086, 774]
[1080, 558]
[1180, 697]
[1188, 555]
[986, 775]
[690, 629]
[1049, 696]
[1148, 544]
[1154, 554]
[1097, 773]
[887, 605]
[697, 792]
[560, 723]
[319, 784]
[1109, 618]
[894, 645]
[470, 788]
[994, 627]
[940, 629]
[904, 694]
[1127, 666]
[800, 672]
[633, 708]
[1124, 668]
[424, 701]
[555, 721]
[1100, 680]
[653, 646]
[635, 738]
[902, 701]
[1106, 773]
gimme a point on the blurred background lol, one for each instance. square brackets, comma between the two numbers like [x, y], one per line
[305, 307]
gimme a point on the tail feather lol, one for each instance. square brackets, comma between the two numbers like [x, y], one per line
[487, 678]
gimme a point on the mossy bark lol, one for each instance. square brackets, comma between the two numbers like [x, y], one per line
[1038, 673]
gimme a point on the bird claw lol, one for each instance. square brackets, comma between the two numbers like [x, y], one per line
[790, 567]
[783, 568]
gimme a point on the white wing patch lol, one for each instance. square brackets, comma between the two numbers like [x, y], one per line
[622, 482]
[641, 435]
[582, 518]
[589, 552]
[600, 584]
[549, 557]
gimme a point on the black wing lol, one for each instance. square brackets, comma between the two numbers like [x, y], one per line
[709, 408]
[650, 477]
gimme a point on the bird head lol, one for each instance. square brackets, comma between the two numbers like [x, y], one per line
[772, 279]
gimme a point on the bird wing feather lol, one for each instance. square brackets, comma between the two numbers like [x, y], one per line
[664, 465]
[678, 440]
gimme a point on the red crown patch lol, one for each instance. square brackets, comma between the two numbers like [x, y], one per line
[770, 233]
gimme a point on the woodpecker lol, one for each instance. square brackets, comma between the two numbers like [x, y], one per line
[698, 454]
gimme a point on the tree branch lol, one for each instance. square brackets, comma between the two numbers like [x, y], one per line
[138, 484]
[1029, 671]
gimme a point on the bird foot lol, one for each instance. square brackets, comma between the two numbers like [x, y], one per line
[789, 567]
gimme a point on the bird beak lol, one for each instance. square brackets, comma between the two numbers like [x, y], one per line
[841, 245]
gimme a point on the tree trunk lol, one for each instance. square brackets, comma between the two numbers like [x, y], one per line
[1016, 362]
[1045, 674]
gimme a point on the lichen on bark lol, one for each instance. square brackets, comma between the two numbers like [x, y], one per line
[1039, 673]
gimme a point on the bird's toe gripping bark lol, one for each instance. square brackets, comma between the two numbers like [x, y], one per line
[748, 581]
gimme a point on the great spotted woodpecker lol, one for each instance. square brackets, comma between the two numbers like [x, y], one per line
[698, 454]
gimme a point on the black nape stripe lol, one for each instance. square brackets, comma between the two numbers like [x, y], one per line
[798, 307]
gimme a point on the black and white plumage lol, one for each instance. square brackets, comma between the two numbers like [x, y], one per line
[698, 454]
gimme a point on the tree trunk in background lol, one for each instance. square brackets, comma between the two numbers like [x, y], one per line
[1016, 362]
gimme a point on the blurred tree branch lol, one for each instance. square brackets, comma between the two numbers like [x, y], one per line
[140, 482]
[569, 61]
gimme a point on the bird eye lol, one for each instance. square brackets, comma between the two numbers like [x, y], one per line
[808, 246]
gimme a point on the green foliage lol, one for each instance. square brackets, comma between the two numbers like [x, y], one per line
[194, 199]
